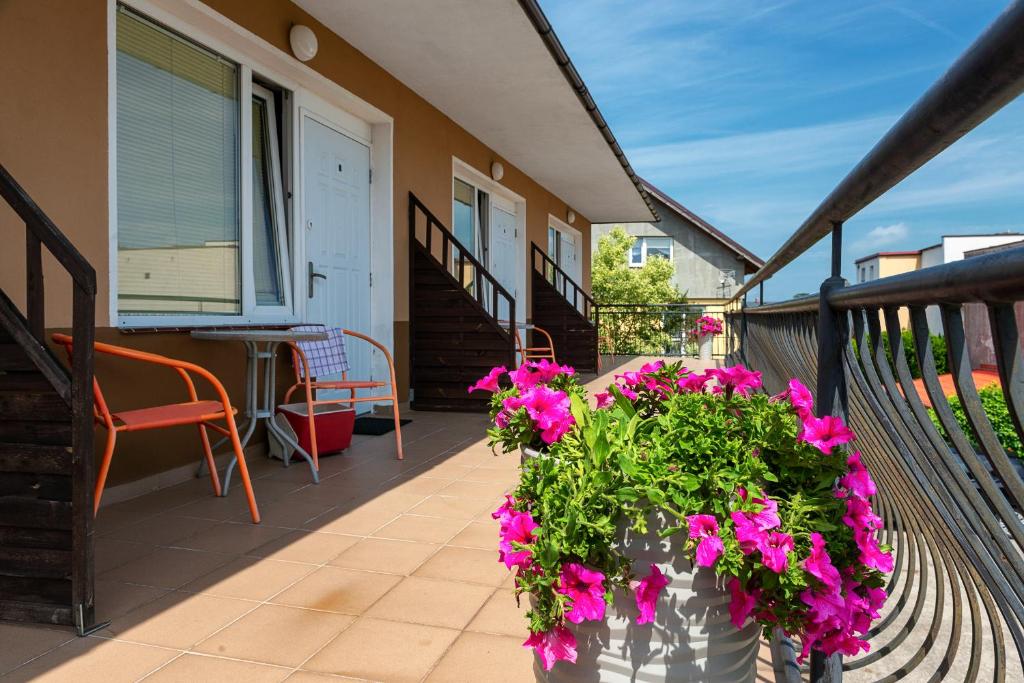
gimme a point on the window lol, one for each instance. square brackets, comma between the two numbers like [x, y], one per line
[470, 212]
[650, 247]
[183, 245]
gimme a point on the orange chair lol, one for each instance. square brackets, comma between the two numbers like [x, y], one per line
[304, 380]
[193, 412]
[528, 353]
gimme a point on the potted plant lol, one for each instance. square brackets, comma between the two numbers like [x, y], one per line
[704, 329]
[685, 513]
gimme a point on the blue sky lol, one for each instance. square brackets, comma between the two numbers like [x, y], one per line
[750, 112]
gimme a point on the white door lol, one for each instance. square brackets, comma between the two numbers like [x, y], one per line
[503, 253]
[570, 254]
[336, 210]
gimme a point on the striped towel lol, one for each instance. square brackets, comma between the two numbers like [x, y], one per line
[325, 357]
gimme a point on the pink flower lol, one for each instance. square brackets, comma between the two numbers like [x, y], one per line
[819, 564]
[871, 553]
[774, 548]
[647, 591]
[489, 382]
[800, 398]
[604, 399]
[736, 379]
[693, 383]
[547, 371]
[705, 527]
[549, 410]
[860, 516]
[768, 517]
[557, 644]
[742, 603]
[648, 368]
[519, 530]
[825, 604]
[825, 433]
[748, 534]
[506, 512]
[858, 481]
[585, 588]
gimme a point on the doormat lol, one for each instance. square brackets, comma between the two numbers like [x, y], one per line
[375, 426]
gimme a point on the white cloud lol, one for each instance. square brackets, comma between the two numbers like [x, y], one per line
[884, 235]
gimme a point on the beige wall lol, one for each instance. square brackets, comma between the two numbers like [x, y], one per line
[53, 139]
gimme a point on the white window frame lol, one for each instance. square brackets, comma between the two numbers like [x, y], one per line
[560, 226]
[643, 249]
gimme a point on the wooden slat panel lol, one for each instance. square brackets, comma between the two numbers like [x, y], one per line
[31, 457]
[35, 562]
[35, 514]
[32, 485]
[45, 433]
[55, 539]
[574, 336]
[12, 357]
[58, 614]
[40, 590]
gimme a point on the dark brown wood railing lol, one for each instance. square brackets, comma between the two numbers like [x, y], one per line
[46, 543]
[565, 285]
[564, 311]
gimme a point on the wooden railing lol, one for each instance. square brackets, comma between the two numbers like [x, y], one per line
[28, 339]
[565, 285]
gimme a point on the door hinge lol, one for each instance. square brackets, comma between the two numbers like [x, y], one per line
[371, 279]
[371, 175]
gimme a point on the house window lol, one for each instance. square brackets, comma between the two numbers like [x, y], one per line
[650, 247]
[469, 220]
[185, 247]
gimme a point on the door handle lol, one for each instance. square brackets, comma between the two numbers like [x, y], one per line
[312, 275]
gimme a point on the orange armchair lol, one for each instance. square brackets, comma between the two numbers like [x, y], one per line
[527, 353]
[192, 412]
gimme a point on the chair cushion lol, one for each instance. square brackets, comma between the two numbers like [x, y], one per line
[192, 412]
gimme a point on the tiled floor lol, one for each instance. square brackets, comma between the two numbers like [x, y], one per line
[385, 571]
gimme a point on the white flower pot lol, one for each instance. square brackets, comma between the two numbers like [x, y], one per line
[705, 345]
[691, 639]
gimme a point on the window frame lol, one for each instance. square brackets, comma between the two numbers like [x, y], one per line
[251, 312]
[642, 239]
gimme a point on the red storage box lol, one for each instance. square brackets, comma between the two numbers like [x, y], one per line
[334, 425]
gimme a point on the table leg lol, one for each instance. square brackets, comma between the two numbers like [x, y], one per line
[271, 379]
[244, 430]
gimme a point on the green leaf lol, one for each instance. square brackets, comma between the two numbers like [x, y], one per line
[627, 494]
[626, 464]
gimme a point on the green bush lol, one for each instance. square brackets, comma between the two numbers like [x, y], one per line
[994, 404]
[910, 351]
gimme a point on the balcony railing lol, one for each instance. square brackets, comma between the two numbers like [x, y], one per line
[656, 329]
[950, 492]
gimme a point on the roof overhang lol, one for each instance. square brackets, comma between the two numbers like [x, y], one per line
[490, 66]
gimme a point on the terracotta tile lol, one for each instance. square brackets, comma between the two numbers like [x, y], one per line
[94, 660]
[235, 539]
[429, 601]
[191, 667]
[465, 564]
[276, 635]
[488, 490]
[177, 620]
[383, 650]
[18, 644]
[334, 589]
[162, 529]
[288, 513]
[417, 528]
[383, 555]
[249, 578]
[110, 552]
[114, 598]
[451, 507]
[482, 535]
[447, 470]
[305, 546]
[481, 657]
[500, 615]
[167, 567]
[314, 677]
[509, 477]
[217, 508]
[365, 518]
[423, 486]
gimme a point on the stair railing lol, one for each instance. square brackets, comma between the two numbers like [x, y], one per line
[565, 285]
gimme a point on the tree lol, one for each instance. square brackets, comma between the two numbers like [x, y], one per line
[628, 327]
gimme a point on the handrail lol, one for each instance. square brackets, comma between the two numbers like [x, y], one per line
[449, 242]
[986, 77]
[578, 292]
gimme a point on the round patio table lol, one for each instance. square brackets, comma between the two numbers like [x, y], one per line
[259, 400]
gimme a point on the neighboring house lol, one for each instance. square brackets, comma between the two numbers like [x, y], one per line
[709, 265]
[210, 176]
[978, 325]
[886, 263]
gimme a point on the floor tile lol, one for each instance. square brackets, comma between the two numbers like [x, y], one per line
[232, 538]
[249, 578]
[305, 546]
[465, 564]
[164, 529]
[334, 589]
[425, 529]
[114, 599]
[482, 535]
[363, 519]
[451, 507]
[177, 620]
[167, 567]
[111, 552]
[190, 667]
[18, 644]
[94, 660]
[276, 635]
[432, 602]
[385, 555]
[384, 651]
[502, 616]
[481, 657]
[488, 490]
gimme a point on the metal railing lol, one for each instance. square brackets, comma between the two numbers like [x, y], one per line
[951, 494]
[650, 329]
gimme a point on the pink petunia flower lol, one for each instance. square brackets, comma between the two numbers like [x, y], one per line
[774, 551]
[549, 410]
[604, 399]
[693, 383]
[647, 591]
[557, 644]
[800, 398]
[825, 604]
[768, 517]
[871, 553]
[857, 481]
[489, 382]
[705, 527]
[506, 512]
[859, 515]
[819, 564]
[654, 366]
[825, 433]
[747, 532]
[519, 530]
[742, 603]
[736, 379]
[585, 588]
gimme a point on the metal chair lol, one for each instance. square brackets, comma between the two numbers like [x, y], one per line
[528, 353]
[313, 359]
[192, 412]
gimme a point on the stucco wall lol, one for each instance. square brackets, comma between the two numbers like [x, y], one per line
[54, 141]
